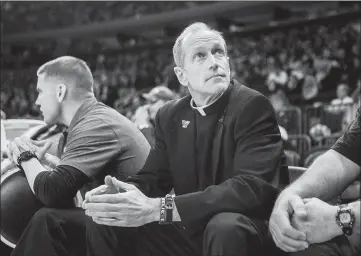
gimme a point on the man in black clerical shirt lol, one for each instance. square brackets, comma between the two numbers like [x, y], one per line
[219, 148]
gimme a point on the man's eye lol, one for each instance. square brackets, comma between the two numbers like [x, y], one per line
[199, 55]
[219, 52]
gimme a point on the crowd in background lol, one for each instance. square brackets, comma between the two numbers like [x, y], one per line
[17, 17]
[306, 63]
[312, 65]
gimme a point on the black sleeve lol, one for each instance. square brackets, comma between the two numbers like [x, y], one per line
[58, 188]
[349, 143]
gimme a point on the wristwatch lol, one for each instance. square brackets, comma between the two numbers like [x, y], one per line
[345, 218]
[166, 210]
[25, 156]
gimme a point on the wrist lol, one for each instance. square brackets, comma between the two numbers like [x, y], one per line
[336, 230]
[155, 212]
[283, 200]
[29, 162]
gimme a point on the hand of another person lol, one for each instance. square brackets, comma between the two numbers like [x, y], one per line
[130, 208]
[320, 225]
[285, 236]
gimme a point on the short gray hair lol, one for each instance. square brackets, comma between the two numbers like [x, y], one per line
[69, 69]
[178, 53]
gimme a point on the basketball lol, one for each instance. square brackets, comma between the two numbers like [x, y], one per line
[18, 206]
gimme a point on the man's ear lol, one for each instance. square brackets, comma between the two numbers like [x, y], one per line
[60, 92]
[182, 78]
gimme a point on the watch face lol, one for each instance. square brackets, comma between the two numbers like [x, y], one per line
[345, 217]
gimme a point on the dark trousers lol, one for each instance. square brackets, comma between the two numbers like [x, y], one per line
[225, 234]
[338, 246]
[54, 232]
[5, 250]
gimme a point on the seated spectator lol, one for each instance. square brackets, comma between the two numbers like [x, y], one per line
[279, 100]
[295, 79]
[287, 116]
[342, 105]
[144, 116]
[342, 96]
[310, 86]
[124, 102]
[318, 130]
[277, 78]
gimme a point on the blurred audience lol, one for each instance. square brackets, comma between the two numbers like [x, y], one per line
[295, 67]
[342, 96]
[144, 116]
[31, 16]
[277, 78]
[306, 63]
[318, 130]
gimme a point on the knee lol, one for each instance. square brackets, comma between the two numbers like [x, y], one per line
[94, 228]
[44, 214]
[90, 224]
[47, 220]
[224, 226]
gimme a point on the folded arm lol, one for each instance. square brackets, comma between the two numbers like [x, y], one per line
[55, 188]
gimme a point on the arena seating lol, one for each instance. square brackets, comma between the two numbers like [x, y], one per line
[315, 59]
[18, 17]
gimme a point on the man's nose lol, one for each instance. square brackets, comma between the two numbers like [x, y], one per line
[213, 64]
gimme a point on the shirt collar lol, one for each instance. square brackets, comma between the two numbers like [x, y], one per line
[204, 109]
[82, 110]
[213, 107]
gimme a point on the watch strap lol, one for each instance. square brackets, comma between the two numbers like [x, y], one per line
[25, 156]
[166, 209]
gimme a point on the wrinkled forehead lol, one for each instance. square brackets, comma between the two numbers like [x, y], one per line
[203, 38]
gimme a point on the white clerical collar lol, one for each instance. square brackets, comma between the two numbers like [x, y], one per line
[201, 109]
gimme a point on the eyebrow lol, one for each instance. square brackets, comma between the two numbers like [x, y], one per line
[198, 48]
[216, 45]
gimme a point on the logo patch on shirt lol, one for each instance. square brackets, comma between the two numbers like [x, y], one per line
[185, 123]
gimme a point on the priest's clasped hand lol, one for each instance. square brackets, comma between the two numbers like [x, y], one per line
[120, 204]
